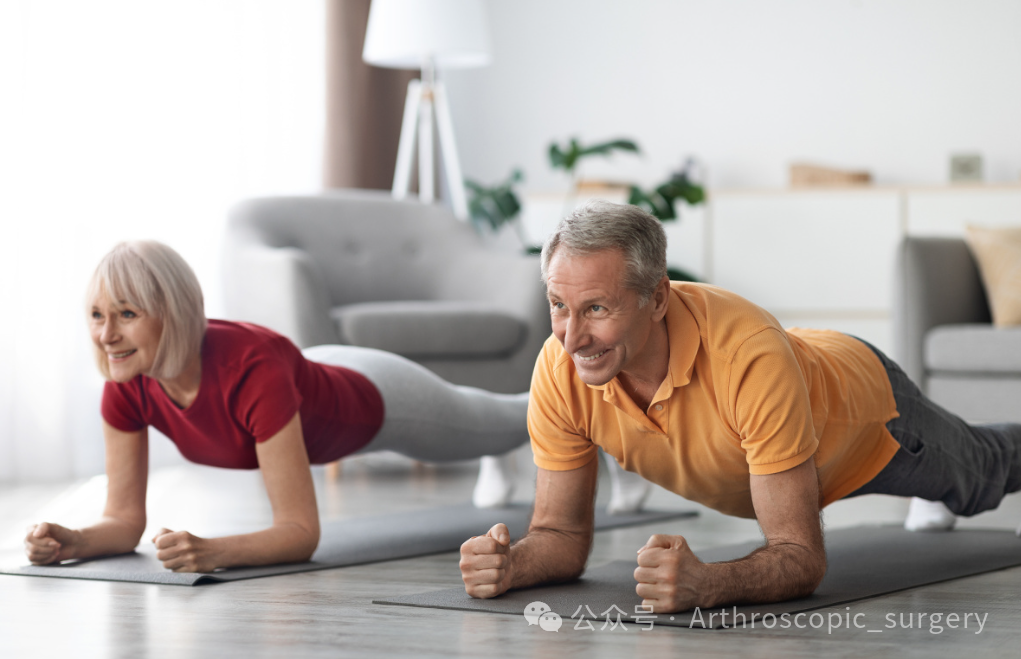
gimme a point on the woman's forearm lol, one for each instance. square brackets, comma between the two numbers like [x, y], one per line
[107, 536]
[281, 543]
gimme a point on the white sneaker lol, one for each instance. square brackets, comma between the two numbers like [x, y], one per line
[628, 491]
[495, 485]
[929, 516]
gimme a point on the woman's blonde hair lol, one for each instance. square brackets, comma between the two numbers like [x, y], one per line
[154, 278]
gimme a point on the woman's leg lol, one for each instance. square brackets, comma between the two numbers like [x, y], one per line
[628, 490]
[426, 417]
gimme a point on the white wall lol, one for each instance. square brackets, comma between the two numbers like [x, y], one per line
[122, 120]
[893, 86]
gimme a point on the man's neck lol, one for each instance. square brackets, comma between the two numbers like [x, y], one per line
[642, 380]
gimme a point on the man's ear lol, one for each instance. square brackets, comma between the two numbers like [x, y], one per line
[660, 299]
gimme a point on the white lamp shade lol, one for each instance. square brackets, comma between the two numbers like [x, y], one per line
[403, 34]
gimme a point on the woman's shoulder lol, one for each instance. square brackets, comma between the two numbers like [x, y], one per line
[242, 334]
[236, 343]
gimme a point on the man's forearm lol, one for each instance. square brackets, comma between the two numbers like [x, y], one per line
[771, 574]
[548, 556]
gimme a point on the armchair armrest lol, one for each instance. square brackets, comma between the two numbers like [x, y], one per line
[279, 288]
[937, 283]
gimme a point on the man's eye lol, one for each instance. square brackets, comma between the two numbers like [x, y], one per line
[558, 305]
[597, 307]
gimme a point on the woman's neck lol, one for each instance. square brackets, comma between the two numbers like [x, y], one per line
[184, 388]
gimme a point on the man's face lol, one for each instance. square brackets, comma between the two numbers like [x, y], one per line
[595, 318]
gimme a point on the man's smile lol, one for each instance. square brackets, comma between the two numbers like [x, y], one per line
[592, 357]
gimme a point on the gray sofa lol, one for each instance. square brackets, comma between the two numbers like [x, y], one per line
[944, 336]
[360, 268]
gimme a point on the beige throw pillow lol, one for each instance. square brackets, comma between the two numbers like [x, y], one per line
[998, 253]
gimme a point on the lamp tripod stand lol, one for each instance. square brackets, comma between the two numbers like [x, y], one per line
[425, 105]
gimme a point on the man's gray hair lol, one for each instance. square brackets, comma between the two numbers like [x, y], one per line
[600, 225]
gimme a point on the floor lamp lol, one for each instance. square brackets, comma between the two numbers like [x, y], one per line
[432, 35]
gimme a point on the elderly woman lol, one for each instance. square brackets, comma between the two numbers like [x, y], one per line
[240, 396]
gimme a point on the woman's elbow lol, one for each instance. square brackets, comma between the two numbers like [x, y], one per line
[308, 543]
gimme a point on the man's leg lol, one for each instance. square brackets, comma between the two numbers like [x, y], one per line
[968, 468]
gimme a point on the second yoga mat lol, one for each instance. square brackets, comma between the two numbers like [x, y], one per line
[343, 542]
[863, 562]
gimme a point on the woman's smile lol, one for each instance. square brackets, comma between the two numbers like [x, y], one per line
[120, 356]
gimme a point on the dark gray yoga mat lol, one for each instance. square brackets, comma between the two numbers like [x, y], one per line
[343, 542]
[863, 562]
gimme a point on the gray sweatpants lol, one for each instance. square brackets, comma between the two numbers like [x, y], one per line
[943, 458]
[426, 417]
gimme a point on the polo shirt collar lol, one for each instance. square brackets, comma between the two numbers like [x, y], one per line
[683, 335]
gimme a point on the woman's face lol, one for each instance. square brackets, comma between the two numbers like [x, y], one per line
[127, 335]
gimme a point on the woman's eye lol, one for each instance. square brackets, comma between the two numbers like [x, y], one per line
[128, 314]
[96, 315]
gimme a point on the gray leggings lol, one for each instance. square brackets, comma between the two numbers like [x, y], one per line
[427, 418]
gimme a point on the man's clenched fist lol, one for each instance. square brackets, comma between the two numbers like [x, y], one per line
[669, 574]
[485, 563]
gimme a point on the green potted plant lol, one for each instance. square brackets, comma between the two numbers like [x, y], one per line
[568, 157]
[661, 202]
[491, 207]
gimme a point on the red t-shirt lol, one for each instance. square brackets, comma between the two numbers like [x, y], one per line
[253, 382]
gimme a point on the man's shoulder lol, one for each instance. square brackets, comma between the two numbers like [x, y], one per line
[725, 319]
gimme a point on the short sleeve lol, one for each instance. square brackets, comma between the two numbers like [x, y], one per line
[267, 396]
[771, 405]
[121, 406]
[557, 443]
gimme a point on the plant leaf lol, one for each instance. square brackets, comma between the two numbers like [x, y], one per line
[680, 274]
[605, 148]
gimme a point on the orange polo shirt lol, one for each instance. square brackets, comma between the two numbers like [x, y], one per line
[742, 396]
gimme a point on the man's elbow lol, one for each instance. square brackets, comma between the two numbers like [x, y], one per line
[814, 571]
[575, 569]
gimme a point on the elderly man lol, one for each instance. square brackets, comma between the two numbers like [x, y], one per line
[704, 393]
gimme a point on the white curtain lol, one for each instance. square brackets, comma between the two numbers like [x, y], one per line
[122, 119]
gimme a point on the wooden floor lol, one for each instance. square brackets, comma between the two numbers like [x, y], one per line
[330, 614]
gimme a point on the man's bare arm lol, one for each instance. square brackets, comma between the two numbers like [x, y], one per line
[556, 547]
[790, 565]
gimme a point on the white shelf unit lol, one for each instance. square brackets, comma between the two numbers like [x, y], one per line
[819, 258]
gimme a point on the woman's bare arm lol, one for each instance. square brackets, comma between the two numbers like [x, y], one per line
[123, 521]
[295, 531]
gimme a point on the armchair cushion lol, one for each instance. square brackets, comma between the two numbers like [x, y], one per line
[998, 253]
[973, 348]
[420, 329]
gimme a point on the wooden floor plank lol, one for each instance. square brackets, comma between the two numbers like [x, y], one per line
[329, 614]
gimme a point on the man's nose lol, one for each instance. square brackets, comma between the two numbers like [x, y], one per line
[575, 335]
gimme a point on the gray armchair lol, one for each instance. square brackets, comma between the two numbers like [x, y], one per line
[360, 268]
[945, 340]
